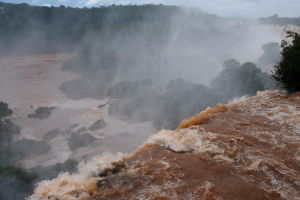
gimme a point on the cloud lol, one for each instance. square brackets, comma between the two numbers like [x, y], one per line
[92, 2]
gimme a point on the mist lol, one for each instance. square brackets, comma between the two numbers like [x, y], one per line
[152, 67]
[83, 82]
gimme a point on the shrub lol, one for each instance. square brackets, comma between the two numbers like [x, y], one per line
[4, 110]
[41, 112]
[237, 80]
[287, 71]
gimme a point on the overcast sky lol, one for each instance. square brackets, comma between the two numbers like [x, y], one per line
[239, 8]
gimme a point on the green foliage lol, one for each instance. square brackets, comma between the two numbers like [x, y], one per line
[15, 183]
[21, 148]
[237, 80]
[282, 21]
[7, 131]
[139, 101]
[4, 110]
[271, 55]
[41, 112]
[51, 172]
[288, 70]
[53, 29]
[183, 99]
[77, 140]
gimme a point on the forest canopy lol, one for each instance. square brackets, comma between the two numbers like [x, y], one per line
[52, 29]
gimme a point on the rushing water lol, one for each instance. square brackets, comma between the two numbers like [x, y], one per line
[249, 149]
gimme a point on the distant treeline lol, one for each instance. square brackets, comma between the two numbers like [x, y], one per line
[282, 21]
[33, 29]
[26, 29]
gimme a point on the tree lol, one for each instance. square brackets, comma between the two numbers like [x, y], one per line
[4, 110]
[236, 80]
[287, 71]
[271, 55]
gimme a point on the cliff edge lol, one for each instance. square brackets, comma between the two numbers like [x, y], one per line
[248, 149]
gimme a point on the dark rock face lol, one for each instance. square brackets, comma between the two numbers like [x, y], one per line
[41, 112]
[98, 125]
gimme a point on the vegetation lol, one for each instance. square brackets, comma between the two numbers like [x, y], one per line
[15, 182]
[4, 110]
[282, 21]
[62, 28]
[287, 71]
[100, 124]
[20, 149]
[142, 102]
[236, 80]
[271, 55]
[77, 140]
[41, 112]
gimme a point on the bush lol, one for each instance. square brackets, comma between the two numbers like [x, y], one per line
[271, 55]
[4, 110]
[78, 140]
[288, 70]
[25, 147]
[100, 124]
[139, 101]
[42, 112]
[15, 183]
[7, 131]
[237, 80]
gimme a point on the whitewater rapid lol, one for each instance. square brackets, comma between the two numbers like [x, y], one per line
[248, 149]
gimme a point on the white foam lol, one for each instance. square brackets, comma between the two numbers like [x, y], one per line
[78, 186]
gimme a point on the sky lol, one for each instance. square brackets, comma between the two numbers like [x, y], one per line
[228, 8]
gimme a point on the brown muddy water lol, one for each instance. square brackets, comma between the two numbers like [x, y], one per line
[248, 149]
[28, 82]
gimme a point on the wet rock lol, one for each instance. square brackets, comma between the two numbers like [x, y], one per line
[98, 125]
[41, 112]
